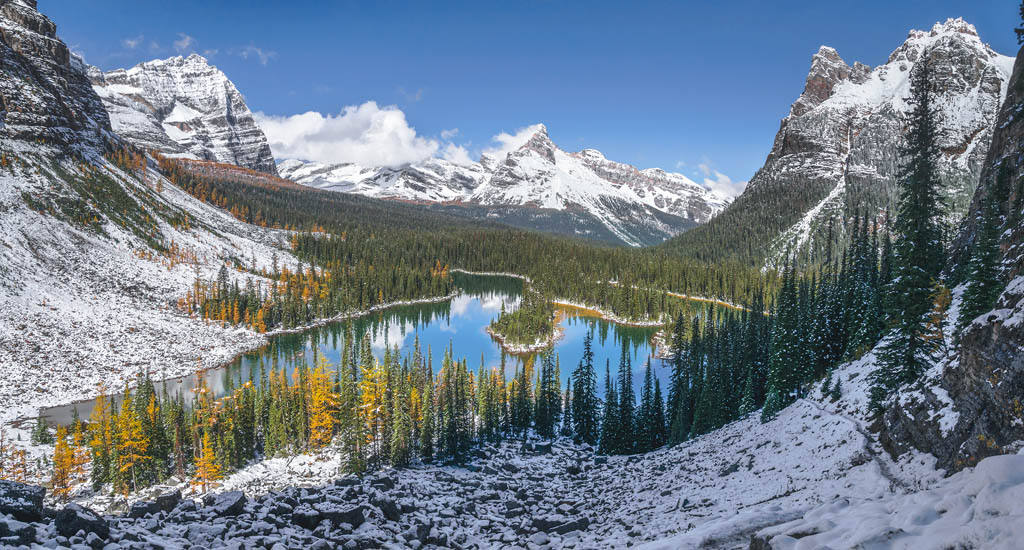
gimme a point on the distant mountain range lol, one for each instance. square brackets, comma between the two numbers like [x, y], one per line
[185, 107]
[635, 206]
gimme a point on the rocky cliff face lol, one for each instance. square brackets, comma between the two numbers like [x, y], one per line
[45, 96]
[836, 151]
[986, 381]
[184, 106]
[843, 132]
[633, 206]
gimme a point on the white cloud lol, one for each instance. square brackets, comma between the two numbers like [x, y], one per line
[456, 153]
[449, 134]
[722, 184]
[210, 53]
[366, 134]
[132, 43]
[184, 43]
[680, 165]
[264, 56]
[506, 143]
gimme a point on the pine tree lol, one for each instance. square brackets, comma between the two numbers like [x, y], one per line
[783, 376]
[659, 433]
[610, 421]
[680, 385]
[626, 421]
[919, 250]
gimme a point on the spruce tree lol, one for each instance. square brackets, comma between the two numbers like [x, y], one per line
[918, 258]
[585, 419]
[983, 278]
[626, 421]
[610, 421]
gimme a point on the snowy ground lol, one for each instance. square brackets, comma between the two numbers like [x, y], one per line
[713, 492]
[78, 309]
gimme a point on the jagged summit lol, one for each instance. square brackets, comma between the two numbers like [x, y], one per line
[184, 106]
[835, 152]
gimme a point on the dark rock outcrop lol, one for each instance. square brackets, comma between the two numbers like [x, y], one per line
[20, 501]
[74, 518]
[45, 95]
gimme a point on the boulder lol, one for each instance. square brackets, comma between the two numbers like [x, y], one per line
[74, 518]
[354, 515]
[227, 504]
[142, 508]
[387, 507]
[305, 516]
[22, 501]
[167, 501]
[15, 532]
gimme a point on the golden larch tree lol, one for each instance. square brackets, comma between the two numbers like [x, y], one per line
[323, 405]
[207, 469]
[63, 464]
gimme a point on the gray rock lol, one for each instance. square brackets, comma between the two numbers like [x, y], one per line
[74, 518]
[21, 501]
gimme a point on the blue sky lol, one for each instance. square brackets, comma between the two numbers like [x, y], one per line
[667, 84]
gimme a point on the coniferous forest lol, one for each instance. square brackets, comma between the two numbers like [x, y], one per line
[787, 333]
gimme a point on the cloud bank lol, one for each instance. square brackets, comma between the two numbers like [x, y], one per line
[366, 134]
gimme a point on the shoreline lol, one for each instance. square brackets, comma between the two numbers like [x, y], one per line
[264, 337]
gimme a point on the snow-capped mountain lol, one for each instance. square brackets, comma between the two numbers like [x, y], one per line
[844, 129]
[536, 175]
[835, 153]
[186, 107]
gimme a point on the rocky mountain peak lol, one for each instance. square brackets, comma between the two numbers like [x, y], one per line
[827, 70]
[46, 96]
[541, 144]
[184, 106]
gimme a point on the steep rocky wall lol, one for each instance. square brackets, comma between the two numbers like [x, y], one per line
[986, 384]
[45, 96]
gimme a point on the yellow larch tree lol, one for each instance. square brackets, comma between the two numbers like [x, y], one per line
[132, 441]
[79, 452]
[63, 464]
[323, 405]
[207, 469]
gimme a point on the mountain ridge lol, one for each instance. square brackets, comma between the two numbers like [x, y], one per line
[183, 106]
[834, 155]
[627, 201]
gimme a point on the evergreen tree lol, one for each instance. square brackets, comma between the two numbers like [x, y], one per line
[918, 258]
[659, 433]
[584, 396]
[983, 279]
[626, 421]
[610, 422]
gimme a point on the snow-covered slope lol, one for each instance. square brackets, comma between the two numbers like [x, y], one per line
[536, 175]
[93, 258]
[183, 106]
